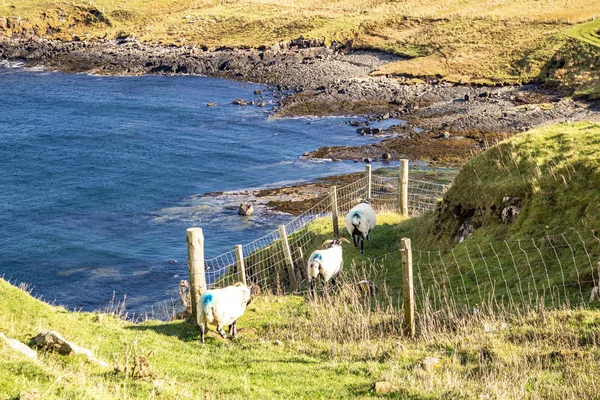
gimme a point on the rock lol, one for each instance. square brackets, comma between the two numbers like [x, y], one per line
[467, 97]
[246, 209]
[31, 394]
[258, 91]
[278, 343]
[357, 123]
[53, 341]
[464, 231]
[386, 156]
[239, 102]
[211, 104]
[428, 363]
[444, 135]
[384, 387]
[367, 160]
[20, 347]
[261, 104]
[509, 214]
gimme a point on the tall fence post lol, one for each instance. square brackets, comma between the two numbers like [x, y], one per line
[369, 181]
[403, 188]
[195, 244]
[334, 211]
[239, 260]
[288, 257]
[408, 288]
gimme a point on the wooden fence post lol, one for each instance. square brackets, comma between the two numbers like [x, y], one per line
[239, 260]
[334, 211]
[403, 188]
[288, 257]
[369, 181]
[408, 288]
[195, 245]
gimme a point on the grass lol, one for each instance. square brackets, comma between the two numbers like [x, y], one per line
[506, 42]
[339, 347]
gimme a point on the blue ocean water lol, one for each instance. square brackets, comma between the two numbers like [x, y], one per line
[100, 177]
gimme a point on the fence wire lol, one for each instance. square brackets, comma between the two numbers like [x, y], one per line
[264, 259]
[553, 271]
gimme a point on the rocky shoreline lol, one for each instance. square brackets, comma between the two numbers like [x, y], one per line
[443, 123]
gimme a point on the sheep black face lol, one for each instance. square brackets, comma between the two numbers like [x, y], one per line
[326, 263]
[360, 221]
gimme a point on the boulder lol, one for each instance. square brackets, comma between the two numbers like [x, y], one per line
[239, 102]
[384, 387]
[511, 209]
[20, 347]
[386, 156]
[464, 231]
[509, 214]
[54, 342]
[211, 104]
[429, 363]
[245, 209]
[31, 394]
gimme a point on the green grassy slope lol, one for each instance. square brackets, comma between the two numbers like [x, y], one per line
[292, 348]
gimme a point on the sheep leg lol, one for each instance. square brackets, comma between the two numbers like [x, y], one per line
[233, 329]
[362, 245]
[202, 332]
[313, 285]
[221, 331]
[355, 240]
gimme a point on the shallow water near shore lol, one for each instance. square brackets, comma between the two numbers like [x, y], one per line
[98, 174]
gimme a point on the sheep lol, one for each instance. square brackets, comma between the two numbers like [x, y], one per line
[596, 290]
[325, 263]
[222, 307]
[360, 220]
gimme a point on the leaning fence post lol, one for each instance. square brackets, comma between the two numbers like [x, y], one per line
[239, 260]
[403, 188]
[334, 211]
[288, 257]
[369, 181]
[408, 288]
[195, 245]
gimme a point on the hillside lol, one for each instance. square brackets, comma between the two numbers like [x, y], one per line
[290, 347]
[505, 42]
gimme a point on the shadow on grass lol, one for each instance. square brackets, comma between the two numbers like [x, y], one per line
[183, 330]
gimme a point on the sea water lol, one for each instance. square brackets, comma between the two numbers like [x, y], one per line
[101, 176]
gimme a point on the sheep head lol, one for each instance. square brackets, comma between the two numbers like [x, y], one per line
[334, 242]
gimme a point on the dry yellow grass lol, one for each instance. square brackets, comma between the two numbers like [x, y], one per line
[496, 41]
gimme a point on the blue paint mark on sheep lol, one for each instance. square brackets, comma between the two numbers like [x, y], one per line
[318, 257]
[207, 299]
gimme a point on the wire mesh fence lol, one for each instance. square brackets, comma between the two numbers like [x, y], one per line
[552, 271]
[264, 260]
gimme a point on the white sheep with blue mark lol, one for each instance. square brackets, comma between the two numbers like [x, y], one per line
[360, 221]
[325, 263]
[221, 307]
